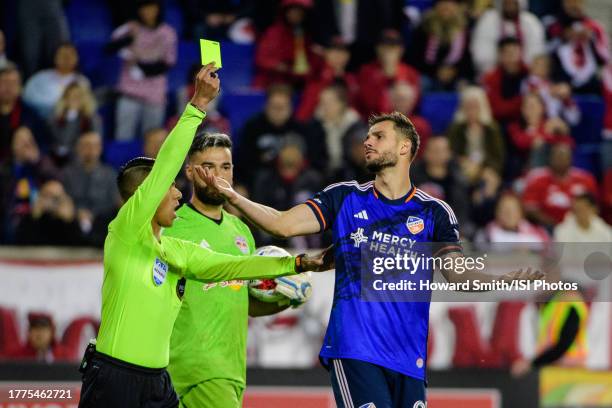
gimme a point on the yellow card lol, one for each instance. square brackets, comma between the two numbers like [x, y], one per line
[210, 52]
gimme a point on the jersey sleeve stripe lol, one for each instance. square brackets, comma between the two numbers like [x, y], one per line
[445, 206]
[318, 213]
[451, 213]
[353, 183]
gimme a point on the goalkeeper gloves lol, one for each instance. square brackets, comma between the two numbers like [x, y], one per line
[296, 288]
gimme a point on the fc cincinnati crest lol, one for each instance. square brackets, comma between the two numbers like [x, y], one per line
[415, 224]
[160, 270]
[242, 244]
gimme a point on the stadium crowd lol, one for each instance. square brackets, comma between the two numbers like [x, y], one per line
[506, 163]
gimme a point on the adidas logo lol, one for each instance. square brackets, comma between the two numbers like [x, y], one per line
[362, 215]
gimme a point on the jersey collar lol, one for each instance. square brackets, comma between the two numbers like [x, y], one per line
[218, 222]
[398, 201]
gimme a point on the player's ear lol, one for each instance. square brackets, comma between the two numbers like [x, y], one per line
[405, 148]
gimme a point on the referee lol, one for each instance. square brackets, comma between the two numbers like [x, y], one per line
[142, 288]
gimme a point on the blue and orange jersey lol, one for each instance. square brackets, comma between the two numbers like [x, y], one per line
[390, 334]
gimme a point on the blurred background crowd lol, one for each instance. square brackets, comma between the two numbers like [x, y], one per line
[512, 101]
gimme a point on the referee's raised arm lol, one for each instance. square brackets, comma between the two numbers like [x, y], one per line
[140, 208]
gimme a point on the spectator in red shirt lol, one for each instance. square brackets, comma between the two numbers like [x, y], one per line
[285, 50]
[533, 132]
[549, 190]
[376, 78]
[503, 84]
[41, 344]
[336, 58]
[404, 97]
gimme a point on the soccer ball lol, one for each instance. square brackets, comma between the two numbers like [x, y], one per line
[265, 289]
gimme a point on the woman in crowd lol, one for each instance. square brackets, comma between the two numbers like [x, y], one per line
[441, 46]
[534, 131]
[475, 137]
[75, 113]
[148, 49]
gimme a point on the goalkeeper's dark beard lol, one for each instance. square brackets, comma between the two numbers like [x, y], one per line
[387, 159]
[208, 195]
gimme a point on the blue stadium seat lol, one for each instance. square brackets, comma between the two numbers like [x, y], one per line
[237, 71]
[188, 54]
[89, 21]
[587, 157]
[438, 108]
[422, 5]
[117, 153]
[173, 15]
[99, 66]
[589, 129]
[239, 106]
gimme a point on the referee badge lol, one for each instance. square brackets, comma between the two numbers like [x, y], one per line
[415, 224]
[242, 244]
[160, 270]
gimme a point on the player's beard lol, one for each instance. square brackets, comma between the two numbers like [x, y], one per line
[386, 159]
[208, 195]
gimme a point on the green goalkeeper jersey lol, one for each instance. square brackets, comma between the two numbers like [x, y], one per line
[139, 291]
[210, 332]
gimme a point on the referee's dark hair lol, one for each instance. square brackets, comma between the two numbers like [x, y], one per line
[206, 140]
[132, 174]
[402, 125]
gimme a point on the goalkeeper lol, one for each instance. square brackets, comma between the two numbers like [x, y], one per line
[208, 350]
[141, 292]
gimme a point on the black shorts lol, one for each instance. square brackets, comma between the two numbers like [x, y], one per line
[108, 382]
[359, 384]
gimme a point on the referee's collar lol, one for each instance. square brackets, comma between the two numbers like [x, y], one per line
[218, 222]
[397, 201]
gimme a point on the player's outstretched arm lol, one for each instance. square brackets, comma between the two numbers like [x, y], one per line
[194, 262]
[140, 208]
[299, 220]
[472, 275]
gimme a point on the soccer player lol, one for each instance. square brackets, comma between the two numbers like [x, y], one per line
[376, 351]
[208, 350]
[141, 291]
